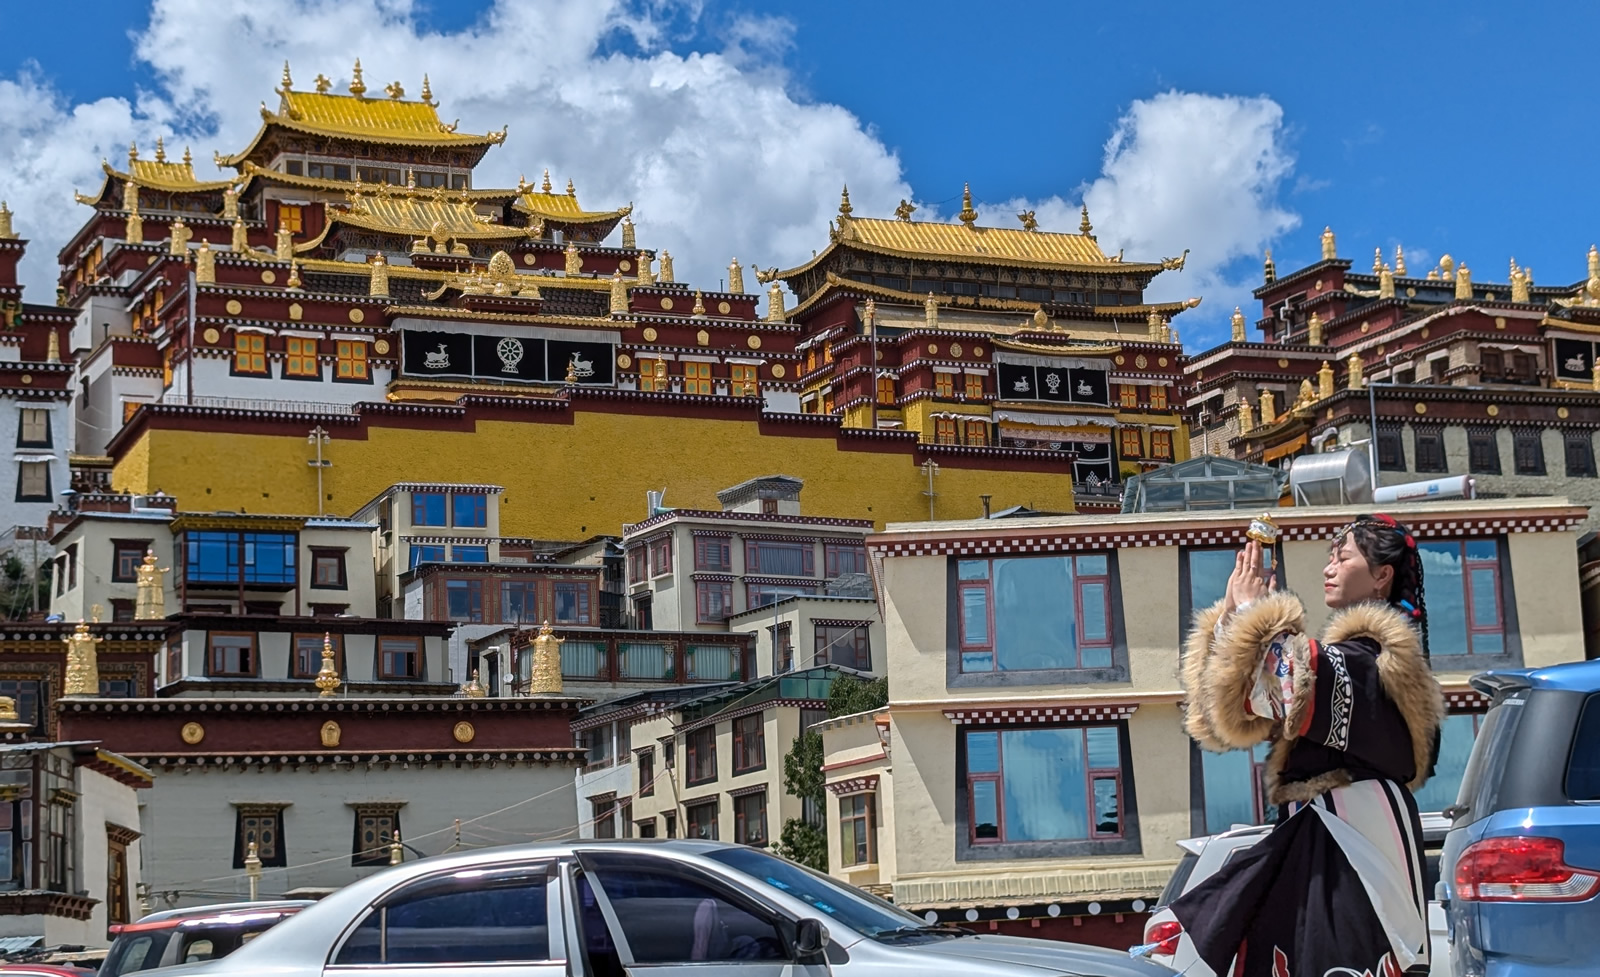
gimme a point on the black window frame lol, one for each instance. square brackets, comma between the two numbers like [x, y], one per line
[1483, 451]
[1581, 442]
[49, 429]
[378, 855]
[1527, 451]
[319, 553]
[1391, 449]
[44, 496]
[1427, 444]
[119, 547]
[275, 857]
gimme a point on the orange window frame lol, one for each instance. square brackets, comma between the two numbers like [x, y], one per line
[1128, 395]
[1158, 398]
[944, 430]
[977, 433]
[1132, 443]
[250, 353]
[886, 394]
[974, 386]
[697, 378]
[944, 385]
[743, 380]
[653, 376]
[1161, 444]
[301, 358]
[352, 356]
[289, 216]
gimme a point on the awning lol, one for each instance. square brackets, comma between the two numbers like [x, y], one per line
[1054, 420]
[1285, 449]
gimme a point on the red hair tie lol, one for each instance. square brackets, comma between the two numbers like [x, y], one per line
[1411, 541]
[1385, 519]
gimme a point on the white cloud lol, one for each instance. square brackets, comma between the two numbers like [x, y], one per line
[719, 158]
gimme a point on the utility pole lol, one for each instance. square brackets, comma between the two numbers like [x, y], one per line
[930, 468]
[319, 437]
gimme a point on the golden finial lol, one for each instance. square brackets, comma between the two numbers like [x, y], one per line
[378, 286]
[396, 852]
[1314, 330]
[205, 264]
[572, 372]
[1238, 325]
[1353, 371]
[293, 281]
[53, 348]
[666, 267]
[573, 260]
[572, 191]
[358, 87]
[1247, 420]
[474, 689]
[1400, 261]
[1269, 407]
[1329, 251]
[844, 202]
[699, 304]
[286, 82]
[323, 84]
[427, 93]
[646, 274]
[240, 241]
[133, 151]
[1594, 262]
[1268, 269]
[545, 186]
[83, 664]
[968, 216]
[930, 312]
[775, 310]
[161, 150]
[1084, 227]
[629, 242]
[905, 210]
[619, 294]
[546, 671]
[869, 316]
[1519, 283]
[327, 680]
[1029, 222]
[1464, 283]
[1041, 322]
[735, 276]
[1385, 283]
[188, 158]
[1447, 268]
[395, 91]
[1377, 260]
[6, 232]
[1153, 323]
[1325, 381]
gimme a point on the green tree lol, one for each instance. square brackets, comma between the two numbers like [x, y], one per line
[806, 841]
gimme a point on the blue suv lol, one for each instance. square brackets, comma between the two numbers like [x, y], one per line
[1521, 865]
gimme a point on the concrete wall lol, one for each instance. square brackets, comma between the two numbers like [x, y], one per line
[106, 802]
[191, 818]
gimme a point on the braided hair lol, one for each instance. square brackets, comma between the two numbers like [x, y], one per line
[1384, 542]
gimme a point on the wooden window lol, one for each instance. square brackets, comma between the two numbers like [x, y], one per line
[743, 383]
[840, 558]
[400, 658]
[1527, 445]
[1491, 365]
[1006, 621]
[750, 819]
[645, 763]
[34, 431]
[261, 824]
[645, 828]
[58, 868]
[1391, 450]
[713, 554]
[944, 430]
[944, 385]
[1128, 395]
[604, 816]
[72, 567]
[700, 747]
[811, 360]
[250, 354]
[660, 556]
[375, 829]
[1086, 809]
[699, 821]
[1428, 445]
[846, 645]
[289, 217]
[300, 358]
[749, 743]
[122, 609]
[116, 881]
[653, 375]
[1158, 398]
[857, 830]
[1579, 446]
[974, 386]
[571, 598]
[886, 394]
[327, 569]
[769, 556]
[782, 649]
[827, 351]
[33, 481]
[977, 433]
[129, 554]
[308, 655]
[232, 653]
[1161, 445]
[1483, 451]
[713, 600]
[464, 601]
[352, 360]
[697, 378]
[1132, 443]
[638, 563]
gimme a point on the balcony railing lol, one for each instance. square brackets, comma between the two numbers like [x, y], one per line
[248, 404]
[669, 658]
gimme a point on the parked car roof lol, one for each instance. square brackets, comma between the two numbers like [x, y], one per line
[1571, 677]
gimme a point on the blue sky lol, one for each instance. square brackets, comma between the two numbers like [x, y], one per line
[1461, 129]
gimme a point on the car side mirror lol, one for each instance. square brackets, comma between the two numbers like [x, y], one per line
[810, 937]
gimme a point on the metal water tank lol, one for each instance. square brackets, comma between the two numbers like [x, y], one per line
[1342, 477]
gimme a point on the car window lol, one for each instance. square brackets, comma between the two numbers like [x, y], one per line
[466, 918]
[1180, 877]
[1583, 767]
[849, 906]
[669, 915]
[1482, 777]
[140, 952]
[196, 951]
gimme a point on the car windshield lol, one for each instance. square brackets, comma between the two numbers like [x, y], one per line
[860, 911]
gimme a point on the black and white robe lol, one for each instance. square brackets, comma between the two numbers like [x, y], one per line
[1336, 890]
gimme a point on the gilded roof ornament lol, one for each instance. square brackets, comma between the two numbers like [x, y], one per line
[572, 191]
[241, 240]
[930, 312]
[323, 84]
[283, 248]
[6, 232]
[293, 281]
[285, 83]
[1464, 283]
[546, 671]
[1237, 322]
[205, 264]
[427, 93]
[967, 216]
[844, 202]
[647, 275]
[1385, 283]
[1153, 323]
[1329, 251]
[574, 260]
[1325, 381]
[395, 90]
[628, 241]
[775, 310]
[473, 689]
[545, 186]
[188, 157]
[133, 153]
[666, 267]
[1400, 261]
[179, 242]
[327, 680]
[619, 294]
[358, 87]
[735, 276]
[1041, 322]
[378, 287]
[1594, 262]
[1447, 268]
[1519, 283]
[1269, 271]
[1377, 260]
[1029, 222]
[1353, 371]
[699, 304]
[1084, 227]
[905, 210]
[1314, 329]
[1175, 264]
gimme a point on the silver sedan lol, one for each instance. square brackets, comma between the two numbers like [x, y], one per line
[632, 909]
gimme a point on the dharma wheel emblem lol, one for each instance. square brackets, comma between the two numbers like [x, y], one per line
[510, 353]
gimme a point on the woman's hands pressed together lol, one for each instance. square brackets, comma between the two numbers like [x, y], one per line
[1249, 582]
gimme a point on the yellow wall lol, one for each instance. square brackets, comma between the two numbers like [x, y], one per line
[566, 482]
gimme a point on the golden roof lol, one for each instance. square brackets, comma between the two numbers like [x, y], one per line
[382, 120]
[155, 174]
[963, 242]
[1099, 349]
[253, 169]
[984, 303]
[417, 213]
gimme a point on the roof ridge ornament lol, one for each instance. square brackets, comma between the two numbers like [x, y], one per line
[1399, 261]
[1029, 222]
[905, 210]
[323, 84]
[1084, 227]
[844, 202]
[572, 191]
[545, 186]
[427, 93]
[133, 154]
[968, 216]
[1269, 270]
[286, 82]
[395, 90]
[358, 88]
[1329, 250]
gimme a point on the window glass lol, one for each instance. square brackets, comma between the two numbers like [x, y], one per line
[500, 923]
[1583, 767]
[427, 509]
[1464, 613]
[1019, 621]
[1208, 576]
[1456, 736]
[465, 599]
[426, 554]
[471, 510]
[672, 918]
[1233, 788]
[848, 906]
[469, 554]
[1045, 784]
[572, 603]
[701, 821]
[786, 559]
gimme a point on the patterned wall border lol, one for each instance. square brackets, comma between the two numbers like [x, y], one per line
[855, 785]
[1038, 714]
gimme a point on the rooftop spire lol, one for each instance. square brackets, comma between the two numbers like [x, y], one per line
[1329, 250]
[133, 152]
[287, 82]
[1269, 270]
[161, 150]
[6, 233]
[968, 216]
[1084, 227]
[844, 201]
[188, 157]
[1399, 261]
[358, 87]
[545, 186]
[572, 191]
[427, 93]
[1377, 260]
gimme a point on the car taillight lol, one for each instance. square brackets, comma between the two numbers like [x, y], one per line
[1521, 870]
[1165, 935]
